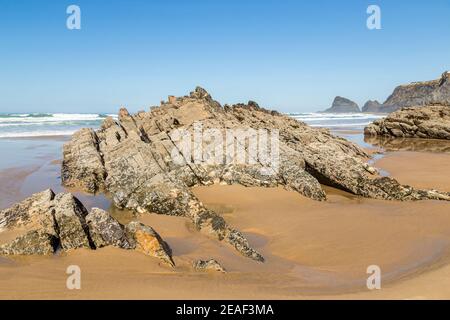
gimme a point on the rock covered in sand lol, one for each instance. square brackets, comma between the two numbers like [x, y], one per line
[208, 265]
[146, 240]
[106, 231]
[49, 222]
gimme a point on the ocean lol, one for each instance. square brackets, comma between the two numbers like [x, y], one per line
[22, 125]
[337, 121]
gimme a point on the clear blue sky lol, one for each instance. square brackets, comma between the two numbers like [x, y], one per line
[287, 55]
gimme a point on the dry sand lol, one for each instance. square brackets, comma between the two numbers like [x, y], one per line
[312, 249]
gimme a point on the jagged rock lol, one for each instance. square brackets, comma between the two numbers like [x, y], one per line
[105, 230]
[208, 265]
[71, 225]
[419, 94]
[432, 122]
[343, 105]
[372, 106]
[32, 243]
[85, 161]
[35, 209]
[47, 223]
[148, 241]
[147, 169]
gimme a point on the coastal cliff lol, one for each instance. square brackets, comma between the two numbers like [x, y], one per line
[418, 94]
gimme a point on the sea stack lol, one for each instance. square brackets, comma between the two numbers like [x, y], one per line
[343, 105]
[372, 106]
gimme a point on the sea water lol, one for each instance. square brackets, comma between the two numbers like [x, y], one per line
[23, 125]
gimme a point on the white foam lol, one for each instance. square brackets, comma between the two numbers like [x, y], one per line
[30, 134]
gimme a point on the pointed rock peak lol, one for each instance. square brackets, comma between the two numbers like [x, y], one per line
[253, 104]
[200, 93]
[123, 113]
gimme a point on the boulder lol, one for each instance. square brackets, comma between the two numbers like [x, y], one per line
[146, 240]
[70, 220]
[105, 230]
[372, 106]
[47, 222]
[431, 122]
[32, 243]
[343, 105]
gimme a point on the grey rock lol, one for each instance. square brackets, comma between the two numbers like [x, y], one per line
[47, 223]
[343, 105]
[37, 208]
[372, 106]
[105, 230]
[70, 216]
[32, 243]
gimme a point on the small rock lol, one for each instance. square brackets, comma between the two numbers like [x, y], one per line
[148, 241]
[208, 265]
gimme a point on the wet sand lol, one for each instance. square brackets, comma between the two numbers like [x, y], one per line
[313, 250]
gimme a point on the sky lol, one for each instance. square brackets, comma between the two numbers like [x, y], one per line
[289, 55]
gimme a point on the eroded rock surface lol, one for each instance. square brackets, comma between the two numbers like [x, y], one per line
[106, 231]
[419, 94]
[431, 122]
[140, 161]
[46, 223]
[146, 240]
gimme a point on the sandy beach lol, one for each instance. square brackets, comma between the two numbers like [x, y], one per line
[313, 249]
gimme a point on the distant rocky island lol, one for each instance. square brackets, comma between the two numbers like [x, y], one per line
[371, 106]
[343, 105]
[415, 94]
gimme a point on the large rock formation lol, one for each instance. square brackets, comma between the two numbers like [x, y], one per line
[419, 94]
[141, 162]
[431, 122]
[46, 223]
[343, 105]
[372, 106]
